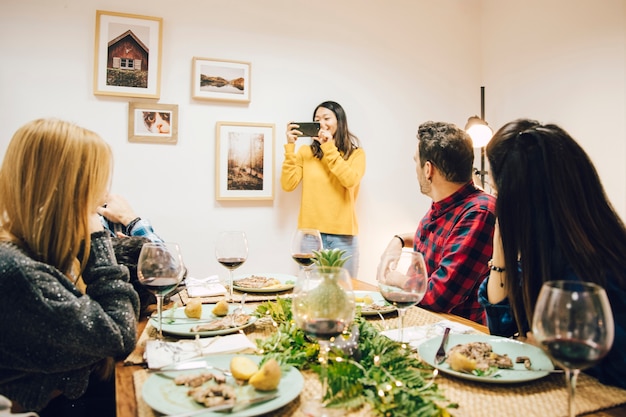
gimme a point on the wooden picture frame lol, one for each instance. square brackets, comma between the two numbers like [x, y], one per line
[153, 123]
[244, 161]
[127, 58]
[215, 79]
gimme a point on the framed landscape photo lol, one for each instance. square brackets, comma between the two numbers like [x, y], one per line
[214, 79]
[153, 123]
[127, 58]
[244, 161]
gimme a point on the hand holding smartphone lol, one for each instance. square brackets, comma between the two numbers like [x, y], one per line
[308, 129]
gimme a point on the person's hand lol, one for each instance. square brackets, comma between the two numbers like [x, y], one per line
[292, 132]
[117, 210]
[324, 136]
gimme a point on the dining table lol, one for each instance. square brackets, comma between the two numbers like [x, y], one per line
[546, 396]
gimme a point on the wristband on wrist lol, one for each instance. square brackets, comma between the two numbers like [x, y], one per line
[401, 240]
[494, 267]
[132, 224]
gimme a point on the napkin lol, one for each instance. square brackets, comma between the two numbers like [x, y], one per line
[416, 335]
[204, 287]
[159, 353]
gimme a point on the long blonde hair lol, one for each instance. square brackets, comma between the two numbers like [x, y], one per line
[53, 176]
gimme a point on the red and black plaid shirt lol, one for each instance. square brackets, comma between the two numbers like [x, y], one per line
[456, 239]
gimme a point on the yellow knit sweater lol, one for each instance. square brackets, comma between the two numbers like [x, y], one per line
[330, 187]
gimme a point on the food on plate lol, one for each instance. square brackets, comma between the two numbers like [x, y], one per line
[477, 358]
[214, 394]
[525, 360]
[256, 281]
[195, 380]
[220, 309]
[193, 309]
[242, 367]
[226, 322]
[268, 377]
[366, 299]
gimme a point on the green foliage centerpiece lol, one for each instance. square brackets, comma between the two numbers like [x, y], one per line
[383, 376]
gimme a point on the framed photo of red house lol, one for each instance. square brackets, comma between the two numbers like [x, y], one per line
[244, 161]
[127, 55]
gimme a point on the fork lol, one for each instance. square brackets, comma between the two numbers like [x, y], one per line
[440, 356]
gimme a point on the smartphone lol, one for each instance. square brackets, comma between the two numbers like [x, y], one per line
[308, 129]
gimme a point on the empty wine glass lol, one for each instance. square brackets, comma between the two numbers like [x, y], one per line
[231, 250]
[323, 307]
[573, 323]
[160, 269]
[303, 243]
[402, 280]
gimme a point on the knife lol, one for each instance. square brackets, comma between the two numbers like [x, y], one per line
[229, 408]
[187, 366]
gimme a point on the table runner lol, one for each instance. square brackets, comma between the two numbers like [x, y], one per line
[543, 397]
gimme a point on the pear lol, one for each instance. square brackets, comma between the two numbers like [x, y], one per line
[221, 308]
[243, 367]
[268, 377]
[193, 309]
[461, 363]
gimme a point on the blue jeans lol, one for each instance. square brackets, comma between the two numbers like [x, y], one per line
[348, 243]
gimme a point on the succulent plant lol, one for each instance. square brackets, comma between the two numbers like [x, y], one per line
[330, 257]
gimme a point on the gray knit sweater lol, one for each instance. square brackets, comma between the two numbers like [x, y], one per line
[51, 335]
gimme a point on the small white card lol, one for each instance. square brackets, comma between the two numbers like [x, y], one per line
[204, 287]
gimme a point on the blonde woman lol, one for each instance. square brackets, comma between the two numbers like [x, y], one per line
[54, 336]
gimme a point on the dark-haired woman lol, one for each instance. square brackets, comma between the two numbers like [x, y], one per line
[330, 170]
[554, 223]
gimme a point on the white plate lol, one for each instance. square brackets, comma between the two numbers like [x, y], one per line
[287, 282]
[378, 299]
[500, 345]
[177, 323]
[164, 396]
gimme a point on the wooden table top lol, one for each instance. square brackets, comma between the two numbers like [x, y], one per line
[126, 403]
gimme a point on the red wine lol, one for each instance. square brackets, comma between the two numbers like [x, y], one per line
[160, 286]
[575, 354]
[324, 329]
[402, 299]
[304, 259]
[231, 263]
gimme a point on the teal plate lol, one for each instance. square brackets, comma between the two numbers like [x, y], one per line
[162, 395]
[540, 362]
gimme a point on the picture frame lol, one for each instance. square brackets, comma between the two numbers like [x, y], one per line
[216, 79]
[153, 123]
[127, 57]
[244, 161]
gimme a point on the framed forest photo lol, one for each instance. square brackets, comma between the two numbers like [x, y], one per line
[244, 161]
[153, 123]
[127, 58]
[214, 79]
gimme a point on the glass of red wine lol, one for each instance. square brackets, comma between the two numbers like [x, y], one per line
[160, 269]
[573, 323]
[323, 307]
[231, 250]
[402, 280]
[303, 243]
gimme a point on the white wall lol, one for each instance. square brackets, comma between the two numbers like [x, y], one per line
[392, 65]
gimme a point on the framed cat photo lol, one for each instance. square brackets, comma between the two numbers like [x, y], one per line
[153, 123]
[215, 79]
[127, 59]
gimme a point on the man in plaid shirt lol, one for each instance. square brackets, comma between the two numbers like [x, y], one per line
[456, 234]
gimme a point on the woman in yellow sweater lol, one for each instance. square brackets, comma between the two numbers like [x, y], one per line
[330, 170]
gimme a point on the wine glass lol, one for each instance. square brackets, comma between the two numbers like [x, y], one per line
[160, 269]
[573, 323]
[323, 307]
[303, 243]
[231, 250]
[402, 280]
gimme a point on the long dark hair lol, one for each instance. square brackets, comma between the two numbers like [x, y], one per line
[553, 213]
[346, 141]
